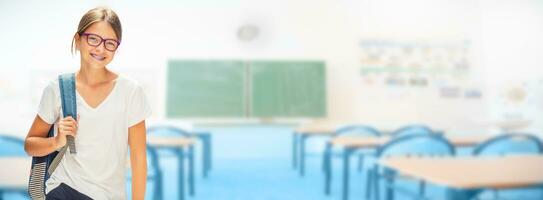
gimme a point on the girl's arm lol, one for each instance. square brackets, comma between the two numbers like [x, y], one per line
[138, 159]
[38, 144]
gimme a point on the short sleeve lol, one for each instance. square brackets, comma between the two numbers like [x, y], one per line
[138, 108]
[49, 108]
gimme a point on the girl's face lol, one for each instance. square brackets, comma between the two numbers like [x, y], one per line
[97, 44]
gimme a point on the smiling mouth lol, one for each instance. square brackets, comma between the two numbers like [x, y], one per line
[97, 57]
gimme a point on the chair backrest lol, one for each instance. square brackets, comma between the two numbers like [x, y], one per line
[414, 145]
[167, 130]
[511, 143]
[154, 173]
[11, 146]
[415, 129]
[152, 160]
[357, 130]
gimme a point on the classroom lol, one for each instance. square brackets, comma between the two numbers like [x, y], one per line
[273, 100]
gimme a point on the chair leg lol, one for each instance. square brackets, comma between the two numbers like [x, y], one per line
[369, 182]
[361, 162]
[181, 177]
[422, 188]
[158, 186]
[376, 183]
[327, 165]
[346, 166]
[191, 171]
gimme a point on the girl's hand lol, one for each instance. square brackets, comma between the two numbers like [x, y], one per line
[66, 126]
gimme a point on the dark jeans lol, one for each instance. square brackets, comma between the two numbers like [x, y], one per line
[63, 192]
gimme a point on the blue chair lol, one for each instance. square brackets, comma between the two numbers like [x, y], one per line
[413, 130]
[350, 130]
[180, 153]
[12, 146]
[154, 173]
[511, 143]
[508, 144]
[408, 145]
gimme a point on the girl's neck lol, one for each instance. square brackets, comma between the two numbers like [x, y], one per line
[94, 76]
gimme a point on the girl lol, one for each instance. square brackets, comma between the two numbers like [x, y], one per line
[111, 118]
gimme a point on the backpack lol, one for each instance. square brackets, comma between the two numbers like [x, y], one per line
[44, 166]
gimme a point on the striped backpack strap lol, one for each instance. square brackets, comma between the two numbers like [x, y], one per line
[43, 167]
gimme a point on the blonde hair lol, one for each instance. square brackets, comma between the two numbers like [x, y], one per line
[97, 15]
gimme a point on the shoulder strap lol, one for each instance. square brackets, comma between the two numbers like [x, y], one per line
[69, 106]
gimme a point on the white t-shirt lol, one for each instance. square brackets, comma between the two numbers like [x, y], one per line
[99, 166]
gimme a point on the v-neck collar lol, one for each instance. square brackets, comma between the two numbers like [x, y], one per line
[84, 102]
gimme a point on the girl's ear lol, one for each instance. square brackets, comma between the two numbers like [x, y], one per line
[77, 40]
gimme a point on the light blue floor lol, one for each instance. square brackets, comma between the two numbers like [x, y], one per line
[254, 163]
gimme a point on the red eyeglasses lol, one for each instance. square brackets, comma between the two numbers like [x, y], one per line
[95, 40]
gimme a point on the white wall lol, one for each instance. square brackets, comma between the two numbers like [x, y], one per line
[36, 35]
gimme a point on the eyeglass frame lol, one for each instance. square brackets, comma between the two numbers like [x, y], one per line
[102, 40]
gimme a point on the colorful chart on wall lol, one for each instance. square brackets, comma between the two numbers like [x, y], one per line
[409, 65]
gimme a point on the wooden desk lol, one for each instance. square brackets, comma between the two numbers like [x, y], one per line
[178, 144]
[159, 141]
[14, 174]
[466, 176]
[306, 131]
[352, 143]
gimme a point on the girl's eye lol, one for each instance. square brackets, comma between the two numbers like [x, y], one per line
[94, 39]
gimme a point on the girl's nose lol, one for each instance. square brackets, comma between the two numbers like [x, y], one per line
[100, 48]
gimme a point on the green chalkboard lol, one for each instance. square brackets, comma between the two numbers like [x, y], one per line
[288, 89]
[236, 88]
[206, 88]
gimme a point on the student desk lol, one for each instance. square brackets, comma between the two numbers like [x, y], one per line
[304, 132]
[178, 144]
[351, 143]
[465, 177]
[14, 174]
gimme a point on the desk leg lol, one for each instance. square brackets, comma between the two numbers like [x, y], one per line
[460, 194]
[294, 149]
[205, 137]
[209, 152]
[191, 170]
[302, 154]
[346, 166]
[181, 177]
[327, 162]
[390, 178]
[206, 153]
